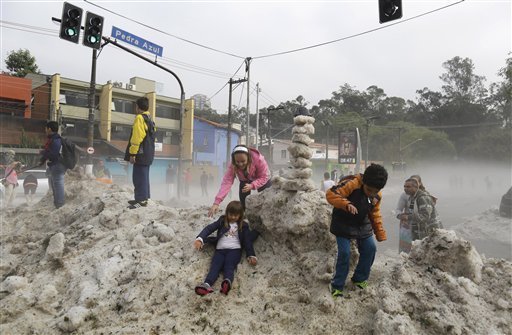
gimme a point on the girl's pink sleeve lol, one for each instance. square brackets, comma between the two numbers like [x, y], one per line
[261, 173]
[225, 185]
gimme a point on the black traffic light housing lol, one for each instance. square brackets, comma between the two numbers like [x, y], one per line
[71, 22]
[389, 10]
[92, 31]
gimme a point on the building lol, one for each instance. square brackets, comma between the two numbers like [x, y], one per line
[211, 144]
[201, 101]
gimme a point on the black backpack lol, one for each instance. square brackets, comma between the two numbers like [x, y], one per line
[68, 153]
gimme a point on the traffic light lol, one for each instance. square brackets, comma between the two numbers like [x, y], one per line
[92, 32]
[389, 10]
[71, 22]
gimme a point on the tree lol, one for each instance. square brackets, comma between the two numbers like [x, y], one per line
[460, 82]
[500, 100]
[21, 62]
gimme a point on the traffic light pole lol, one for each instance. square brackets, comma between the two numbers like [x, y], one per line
[92, 100]
[92, 107]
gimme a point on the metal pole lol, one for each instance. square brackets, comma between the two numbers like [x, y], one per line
[257, 115]
[248, 70]
[228, 140]
[327, 149]
[400, 146]
[92, 107]
[269, 135]
[228, 148]
[367, 141]
[180, 150]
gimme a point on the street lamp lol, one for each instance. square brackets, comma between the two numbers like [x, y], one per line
[368, 119]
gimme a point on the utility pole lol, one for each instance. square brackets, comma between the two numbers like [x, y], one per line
[368, 119]
[92, 107]
[228, 140]
[269, 133]
[327, 123]
[400, 146]
[257, 115]
[248, 70]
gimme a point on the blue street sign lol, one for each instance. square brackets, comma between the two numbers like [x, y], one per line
[132, 39]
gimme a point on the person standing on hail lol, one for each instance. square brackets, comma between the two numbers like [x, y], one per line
[140, 152]
[252, 171]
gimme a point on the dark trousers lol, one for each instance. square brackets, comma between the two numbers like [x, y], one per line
[140, 177]
[243, 195]
[225, 260]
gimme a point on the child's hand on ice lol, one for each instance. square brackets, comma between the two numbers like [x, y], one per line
[198, 245]
[252, 260]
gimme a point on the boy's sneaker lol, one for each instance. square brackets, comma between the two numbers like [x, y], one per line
[225, 286]
[361, 284]
[203, 289]
[138, 204]
[335, 292]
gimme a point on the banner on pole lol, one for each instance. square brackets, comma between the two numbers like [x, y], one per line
[347, 147]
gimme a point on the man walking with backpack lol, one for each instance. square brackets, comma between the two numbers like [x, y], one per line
[140, 152]
[51, 155]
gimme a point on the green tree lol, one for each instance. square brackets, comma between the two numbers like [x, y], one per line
[490, 145]
[21, 62]
[460, 81]
[500, 101]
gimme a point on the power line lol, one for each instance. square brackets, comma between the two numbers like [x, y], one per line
[166, 33]
[234, 74]
[358, 34]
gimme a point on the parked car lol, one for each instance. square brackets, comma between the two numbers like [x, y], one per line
[506, 204]
[42, 180]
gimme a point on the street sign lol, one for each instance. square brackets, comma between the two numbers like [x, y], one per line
[90, 150]
[137, 41]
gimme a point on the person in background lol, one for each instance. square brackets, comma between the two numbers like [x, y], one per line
[251, 169]
[334, 174]
[327, 183]
[356, 215]
[10, 182]
[101, 172]
[51, 155]
[203, 180]
[140, 152]
[421, 212]
[211, 180]
[403, 201]
[187, 180]
[232, 236]
[170, 177]
[29, 187]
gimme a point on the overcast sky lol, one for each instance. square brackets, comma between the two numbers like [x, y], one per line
[400, 59]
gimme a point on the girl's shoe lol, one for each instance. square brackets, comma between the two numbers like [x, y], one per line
[203, 289]
[225, 286]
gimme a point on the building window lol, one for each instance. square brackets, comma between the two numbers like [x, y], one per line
[168, 137]
[167, 112]
[283, 154]
[123, 106]
[78, 99]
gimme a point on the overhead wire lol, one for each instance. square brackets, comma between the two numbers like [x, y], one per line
[358, 34]
[166, 33]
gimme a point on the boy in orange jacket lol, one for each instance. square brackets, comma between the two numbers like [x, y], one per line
[356, 215]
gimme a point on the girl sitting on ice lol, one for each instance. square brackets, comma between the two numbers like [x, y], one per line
[232, 235]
